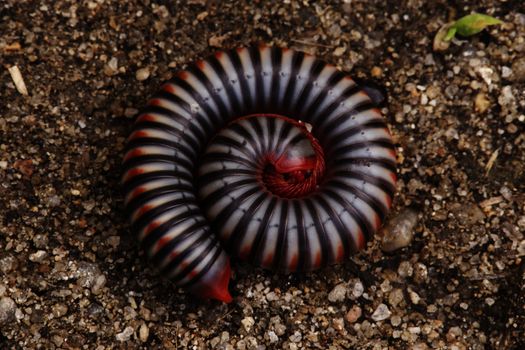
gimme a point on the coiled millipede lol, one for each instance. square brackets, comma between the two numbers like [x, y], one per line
[268, 154]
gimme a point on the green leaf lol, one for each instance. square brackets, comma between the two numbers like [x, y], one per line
[451, 32]
[472, 24]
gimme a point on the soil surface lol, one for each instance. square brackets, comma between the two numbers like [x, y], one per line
[71, 276]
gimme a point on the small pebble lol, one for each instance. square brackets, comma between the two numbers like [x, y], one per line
[395, 297]
[353, 314]
[273, 337]
[338, 293]
[125, 335]
[356, 288]
[247, 323]
[381, 313]
[481, 103]
[142, 74]
[143, 333]
[7, 310]
[38, 257]
[111, 68]
[518, 70]
[399, 230]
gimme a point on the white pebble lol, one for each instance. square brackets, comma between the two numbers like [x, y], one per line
[273, 337]
[143, 333]
[7, 310]
[247, 323]
[338, 293]
[506, 72]
[414, 297]
[125, 334]
[381, 313]
[357, 288]
[142, 74]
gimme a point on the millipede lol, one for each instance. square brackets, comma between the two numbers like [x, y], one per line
[265, 154]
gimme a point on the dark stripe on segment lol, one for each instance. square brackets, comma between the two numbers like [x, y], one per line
[230, 208]
[143, 160]
[210, 120]
[160, 231]
[159, 110]
[255, 57]
[225, 190]
[238, 231]
[386, 163]
[297, 61]
[348, 245]
[246, 101]
[185, 122]
[286, 129]
[281, 248]
[154, 141]
[304, 258]
[219, 157]
[205, 268]
[270, 124]
[196, 261]
[247, 136]
[335, 121]
[257, 250]
[226, 83]
[234, 144]
[327, 256]
[203, 78]
[178, 134]
[315, 104]
[145, 178]
[304, 96]
[221, 174]
[331, 129]
[321, 117]
[383, 184]
[275, 86]
[257, 127]
[375, 204]
[381, 142]
[178, 137]
[149, 217]
[176, 261]
[339, 136]
[360, 219]
[146, 196]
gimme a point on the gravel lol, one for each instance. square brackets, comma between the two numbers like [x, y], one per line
[70, 274]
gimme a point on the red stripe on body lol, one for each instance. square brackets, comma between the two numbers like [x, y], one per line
[138, 134]
[151, 227]
[162, 242]
[317, 261]
[144, 209]
[340, 253]
[293, 263]
[132, 173]
[135, 153]
[169, 88]
[146, 118]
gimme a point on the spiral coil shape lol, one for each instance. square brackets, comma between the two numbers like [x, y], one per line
[268, 154]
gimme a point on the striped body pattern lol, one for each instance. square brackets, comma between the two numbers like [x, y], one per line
[266, 154]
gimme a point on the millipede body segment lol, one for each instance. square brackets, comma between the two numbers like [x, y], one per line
[266, 154]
